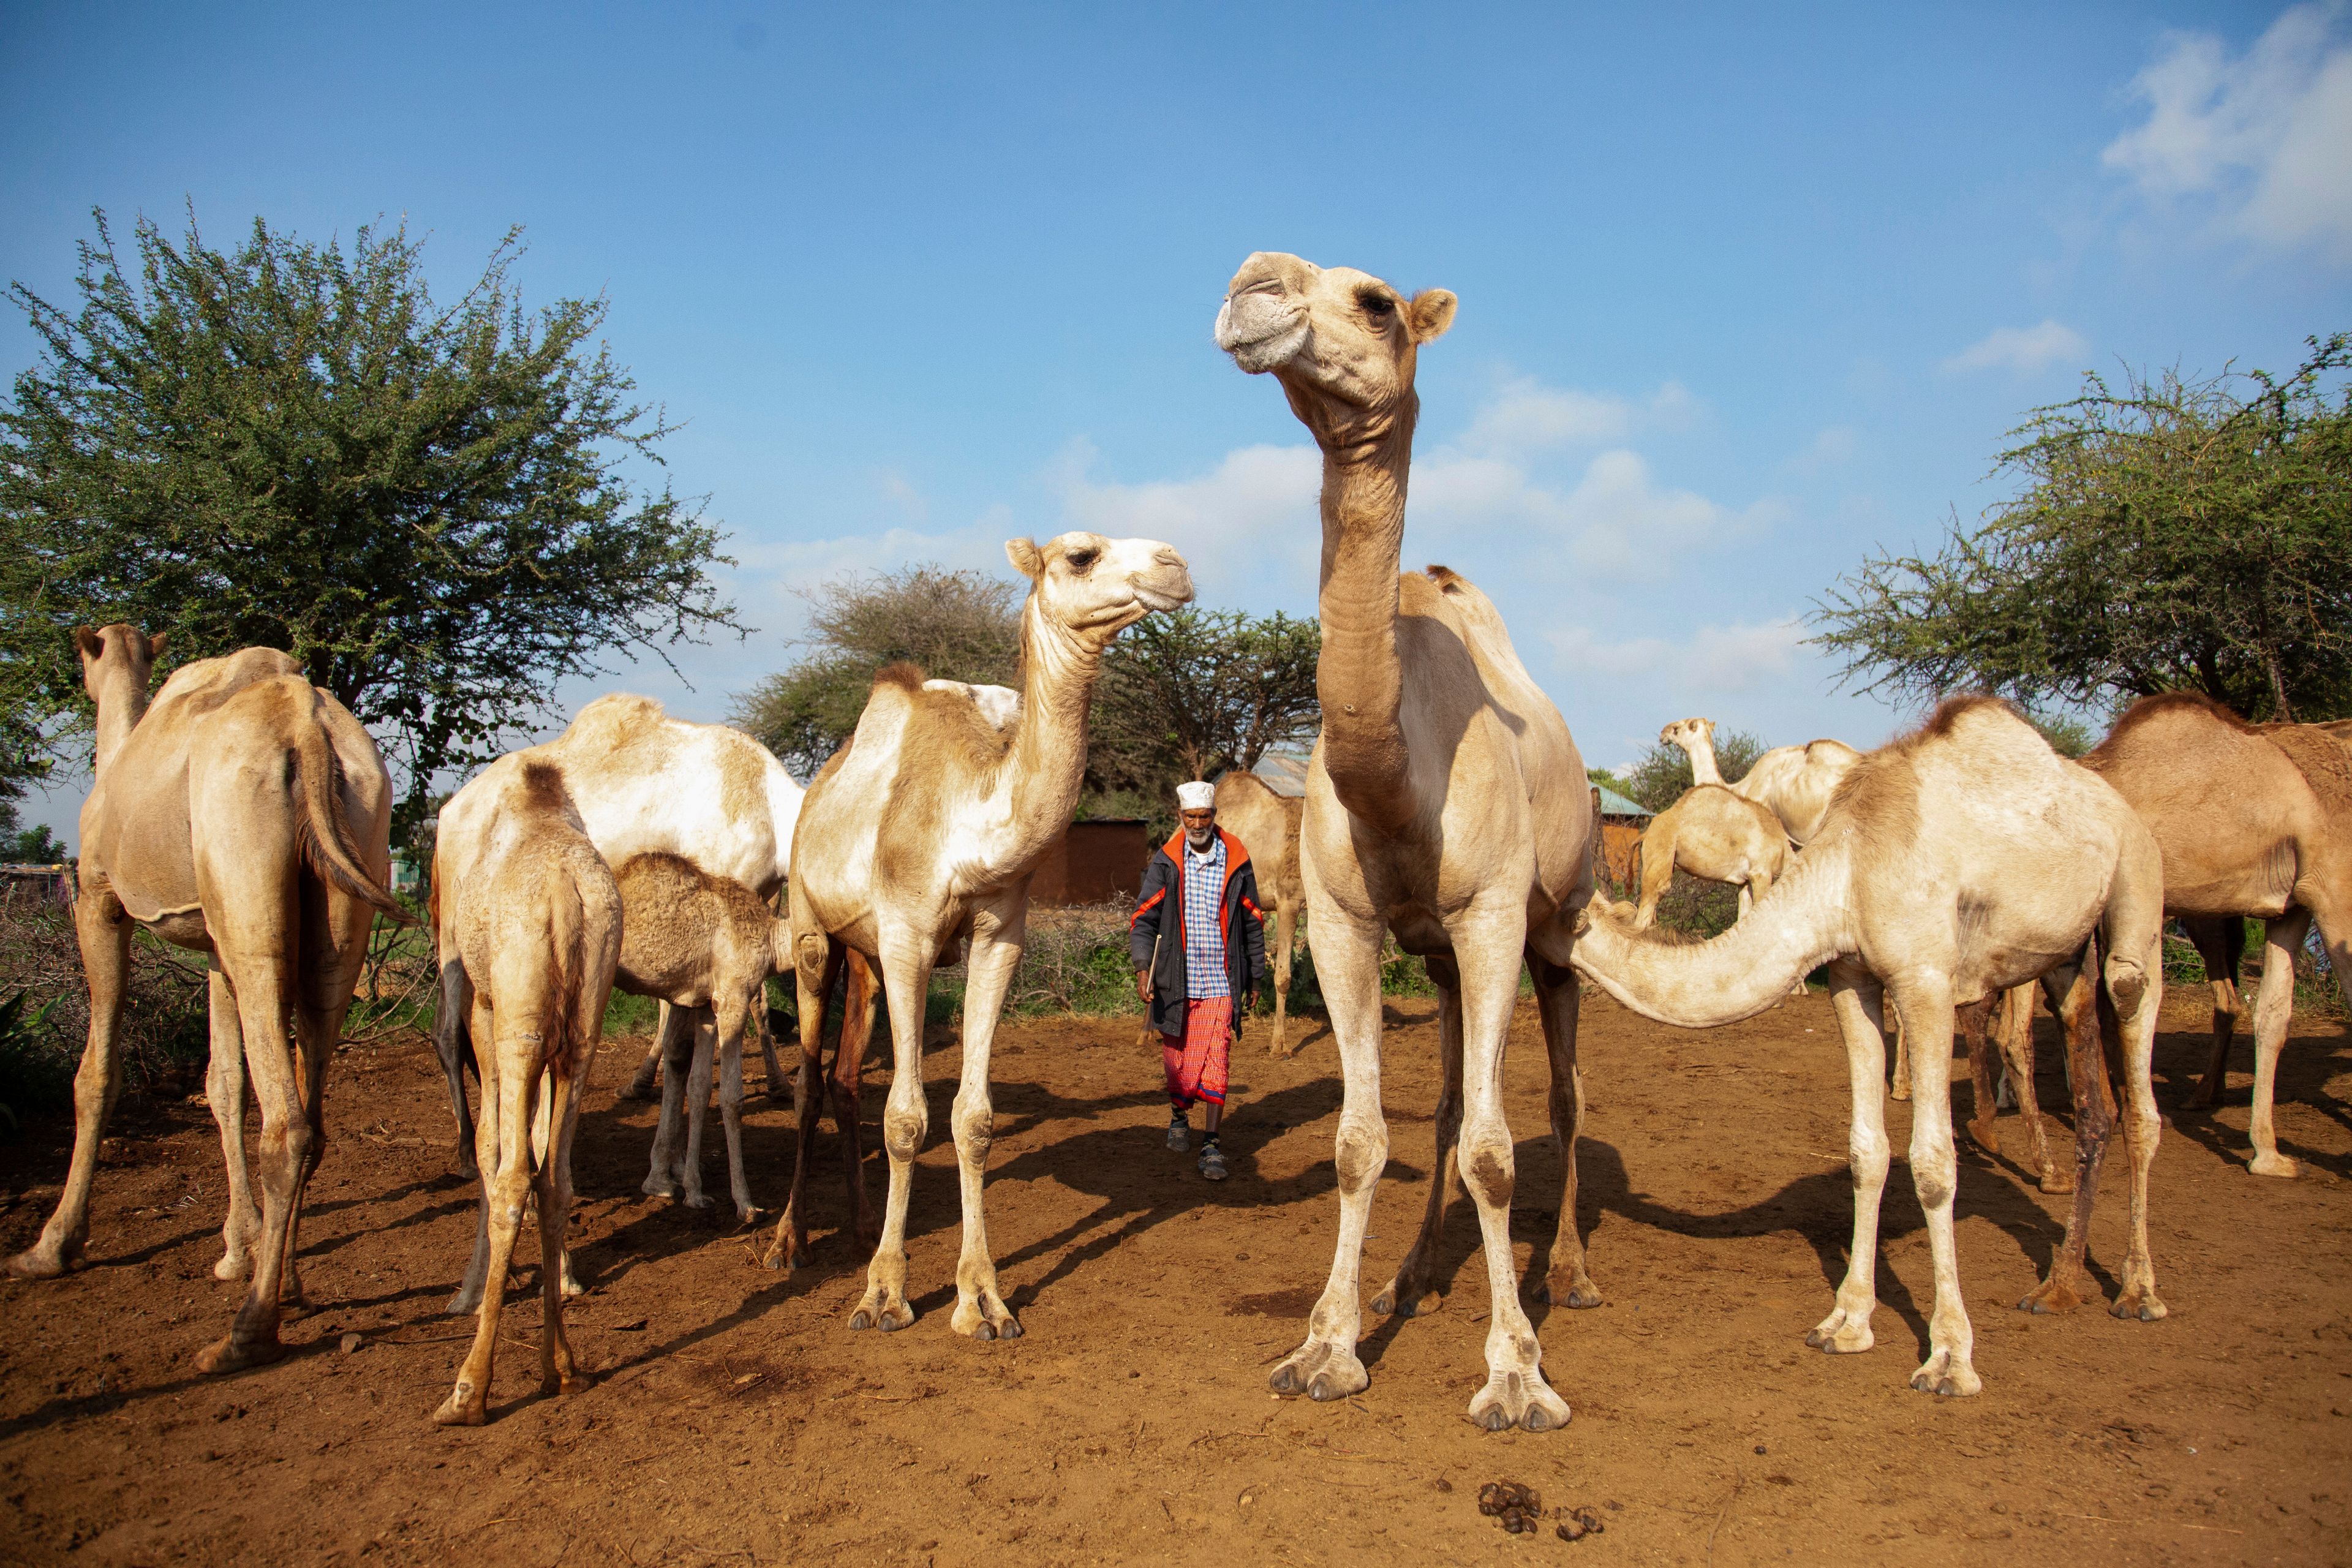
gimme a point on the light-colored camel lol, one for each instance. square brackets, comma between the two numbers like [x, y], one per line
[245, 814]
[534, 919]
[700, 943]
[921, 833]
[1713, 834]
[1268, 826]
[1793, 783]
[1445, 803]
[1953, 863]
[2254, 820]
[644, 783]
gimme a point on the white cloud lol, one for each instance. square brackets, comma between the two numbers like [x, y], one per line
[1525, 417]
[1249, 528]
[2266, 136]
[1833, 447]
[2022, 348]
[1713, 660]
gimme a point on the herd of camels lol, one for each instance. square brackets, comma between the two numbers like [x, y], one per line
[245, 814]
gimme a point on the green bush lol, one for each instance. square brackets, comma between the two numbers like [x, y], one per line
[165, 1034]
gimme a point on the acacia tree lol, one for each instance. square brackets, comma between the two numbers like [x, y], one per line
[1190, 694]
[2169, 535]
[293, 445]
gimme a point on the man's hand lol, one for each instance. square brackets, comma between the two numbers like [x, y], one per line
[1143, 984]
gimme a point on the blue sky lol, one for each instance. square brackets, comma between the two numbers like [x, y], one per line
[1742, 298]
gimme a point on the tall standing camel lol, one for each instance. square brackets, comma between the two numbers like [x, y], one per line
[921, 833]
[1268, 826]
[1446, 802]
[535, 924]
[1952, 864]
[245, 814]
[2254, 820]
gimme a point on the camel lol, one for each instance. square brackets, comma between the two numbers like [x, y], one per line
[1999, 1032]
[1714, 835]
[1446, 802]
[1952, 864]
[246, 813]
[644, 783]
[534, 919]
[1268, 826]
[2254, 820]
[1793, 783]
[920, 834]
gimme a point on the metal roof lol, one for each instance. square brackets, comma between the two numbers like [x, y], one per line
[1615, 805]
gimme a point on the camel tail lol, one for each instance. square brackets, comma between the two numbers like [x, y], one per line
[323, 833]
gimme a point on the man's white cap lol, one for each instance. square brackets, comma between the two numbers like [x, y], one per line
[1195, 796]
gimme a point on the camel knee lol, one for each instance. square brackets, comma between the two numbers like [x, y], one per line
[2126, 983]
[1933, 1181]
[1869, 1156]
[1358, 1154]
[974, 1122]
[1486, 1167]
[903, 1130]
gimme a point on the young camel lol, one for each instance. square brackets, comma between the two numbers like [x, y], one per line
[646, 783]
[2254, 820]
[1713, 834]
[245, 814]
[921, 833]
[1953, 863]
[535, 921]
[1268, 826]
[1446, 802]
[1793, 783]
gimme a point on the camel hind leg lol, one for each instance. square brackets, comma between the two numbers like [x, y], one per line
[2127, 1034]
[2220, 943]
[1560, 1004]
[816, 965]
[905, 1120]
[224, 1092]
[2073, 991]
[1285, 928]
[1409, 1293]
[2273, 1013]
[1975, 1022]
[2016, 1024]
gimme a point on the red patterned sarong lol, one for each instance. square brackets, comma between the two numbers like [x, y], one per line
[1196, 1063]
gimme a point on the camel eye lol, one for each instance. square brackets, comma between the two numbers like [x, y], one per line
[1082, 561]
[1378, 307]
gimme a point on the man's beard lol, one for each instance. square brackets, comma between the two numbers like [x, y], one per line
[1202, 840]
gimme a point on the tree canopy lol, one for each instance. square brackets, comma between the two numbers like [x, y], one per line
[1192, 693]
[293, 444]
[2167, 534]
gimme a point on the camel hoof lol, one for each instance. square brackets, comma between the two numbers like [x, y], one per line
[232, 1266]
[660, 1187]
[2139, 1302]
[2050, 1298]
[565, 1383]
[2058, 1184]
[878, 1311]
[2204, 1097]
[35, 1263]
[1947, 1377]
[1841, 1333]
[1416, 1304]
[464, 1407]
[1900, 1090]
[1322, 1372]
[700, 1201]
[1987, 1136]
[2273, 1164]
[228, 1355]
[1517, 1399]
[1578, 1292]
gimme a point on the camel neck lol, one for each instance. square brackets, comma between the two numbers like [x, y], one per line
[1703, 767]
[1047, 764]
[1359, 678]
[121, 704]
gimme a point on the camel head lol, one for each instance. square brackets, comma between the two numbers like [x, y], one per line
[120, 651]
[1688, 734]
[1096, 587]
[1341, 341]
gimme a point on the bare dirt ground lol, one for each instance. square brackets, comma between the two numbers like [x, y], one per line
[736, 1416]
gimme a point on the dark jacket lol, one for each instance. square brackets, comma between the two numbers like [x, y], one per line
[1159, 916]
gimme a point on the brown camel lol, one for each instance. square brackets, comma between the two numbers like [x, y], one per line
[1445, 803]
[1712, 833]
[2254, 820]
[921, 834]
[1953, 863]
[244, 814]
[1268, 826]
[534, 919]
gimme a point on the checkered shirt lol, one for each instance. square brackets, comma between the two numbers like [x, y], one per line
[1205, 936]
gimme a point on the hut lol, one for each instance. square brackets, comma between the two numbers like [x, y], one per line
[1092, 863]
[1623, 822]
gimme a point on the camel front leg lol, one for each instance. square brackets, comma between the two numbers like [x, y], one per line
[1901, 1085]
[906, 1119]
[1560, 1002]
[2130, 1043]
[1859, 1001]
[2273, 1012]
[1409, 1293]
[224, 1092]
[1926, 1005]
[1488, 945]
[2219, 941]
[675, 1039]
[736, 1019]
[698, 1102]
[998, 931]
[1348, 965]
[641, 1083]
[2073, 998]
[103, 931]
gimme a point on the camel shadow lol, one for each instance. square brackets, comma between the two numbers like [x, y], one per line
[2307, 1061]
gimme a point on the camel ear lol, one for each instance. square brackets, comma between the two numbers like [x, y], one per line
[1025, 558]
[155, 645]
[87, 640]
[1430, 312]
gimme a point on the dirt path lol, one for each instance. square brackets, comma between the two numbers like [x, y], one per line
[737, 1417]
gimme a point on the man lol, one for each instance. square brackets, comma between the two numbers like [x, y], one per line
[1198, 943]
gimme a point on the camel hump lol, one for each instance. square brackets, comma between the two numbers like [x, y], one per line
[900, 674]
[2325, 761]
[614, 722]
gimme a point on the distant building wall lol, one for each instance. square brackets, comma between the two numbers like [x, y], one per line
[1091, 863]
